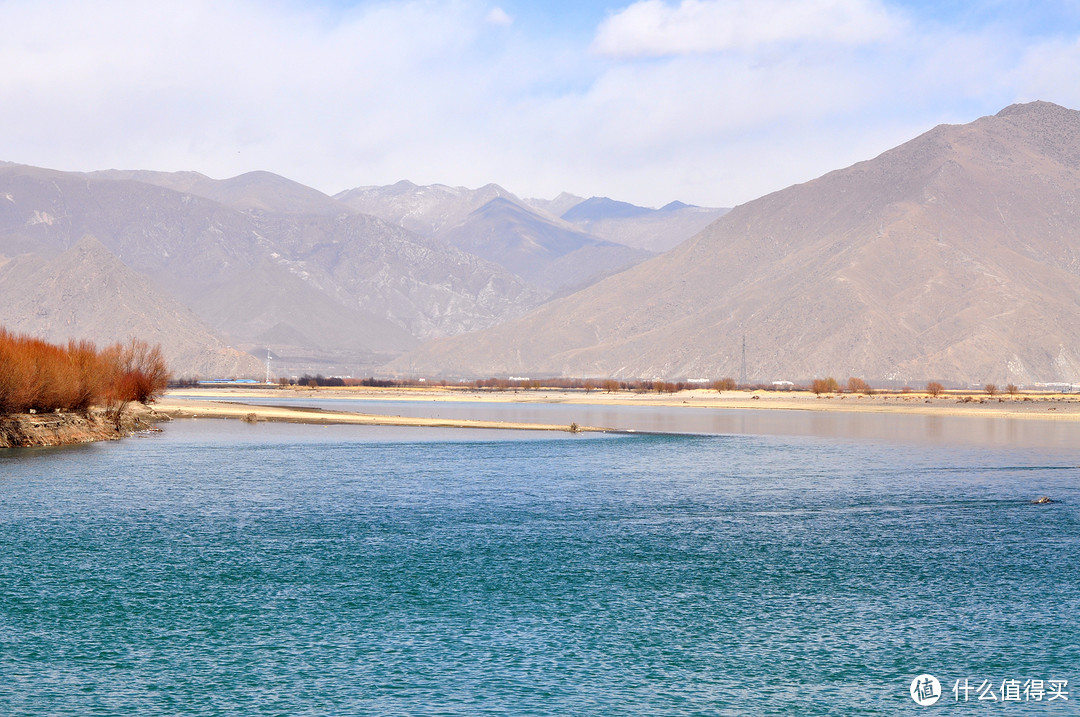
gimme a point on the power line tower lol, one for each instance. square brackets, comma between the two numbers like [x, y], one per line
[742, 372]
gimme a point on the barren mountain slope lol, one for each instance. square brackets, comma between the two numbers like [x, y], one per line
[321, 285]
[420, 284]
[953, 256]
[545, 252]
[87, 293]
[202, 253]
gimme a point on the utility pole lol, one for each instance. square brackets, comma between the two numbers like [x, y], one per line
[742, 372]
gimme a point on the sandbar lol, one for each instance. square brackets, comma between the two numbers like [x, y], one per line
[171, 407]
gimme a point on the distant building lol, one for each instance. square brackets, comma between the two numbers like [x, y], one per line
[220, 381]
[1060, 386]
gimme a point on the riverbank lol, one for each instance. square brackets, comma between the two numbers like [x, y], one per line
[1052, 407]
[27, 430]
[59, 429]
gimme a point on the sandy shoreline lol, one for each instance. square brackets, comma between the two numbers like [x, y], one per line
[228, 403]
[175, 407]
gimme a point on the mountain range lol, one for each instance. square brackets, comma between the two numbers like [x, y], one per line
[233, 269]
[559, 253]
[954, 256]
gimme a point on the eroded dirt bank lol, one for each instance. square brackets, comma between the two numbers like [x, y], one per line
[24, 430]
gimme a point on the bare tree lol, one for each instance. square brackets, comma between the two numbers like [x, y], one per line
[825, 385]
[857, 385]
[724, 384]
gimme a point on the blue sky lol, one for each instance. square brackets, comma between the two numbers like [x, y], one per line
[713, 102]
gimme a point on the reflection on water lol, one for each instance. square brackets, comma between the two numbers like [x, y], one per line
[673, 419]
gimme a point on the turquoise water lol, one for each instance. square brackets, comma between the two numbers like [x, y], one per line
[221, 568]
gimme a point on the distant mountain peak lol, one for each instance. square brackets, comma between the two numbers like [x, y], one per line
[89, 243]
[423, 209]
[596, 208]
[498, 202]
[262, 174]
[542, 249]
[1036, 107]
[675, 206]
[555, 207]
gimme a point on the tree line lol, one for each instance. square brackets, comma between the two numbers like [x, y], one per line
[37, 376]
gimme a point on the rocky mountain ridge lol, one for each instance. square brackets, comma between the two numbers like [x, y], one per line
[953, 256]
[262, 263]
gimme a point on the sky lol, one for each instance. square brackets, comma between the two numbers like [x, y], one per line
[712, 102]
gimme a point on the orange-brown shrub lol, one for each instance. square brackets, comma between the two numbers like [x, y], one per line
[724, 384]
[858, 385]
[824, 385]
[36, 375]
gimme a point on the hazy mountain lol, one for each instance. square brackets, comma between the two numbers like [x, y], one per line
[555, 207]
[955, 256]
[253, 191]
[421, 285]
[328, 288]
[87, 293]
[599, 208]
[210, 257]
[553, 255]
[424, 210]
[545, 252]
[654, 230]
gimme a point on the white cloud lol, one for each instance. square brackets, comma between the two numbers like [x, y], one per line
[432, 91]
[225, 86]
[1049, 71]
[498, 16]
[654, 28]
